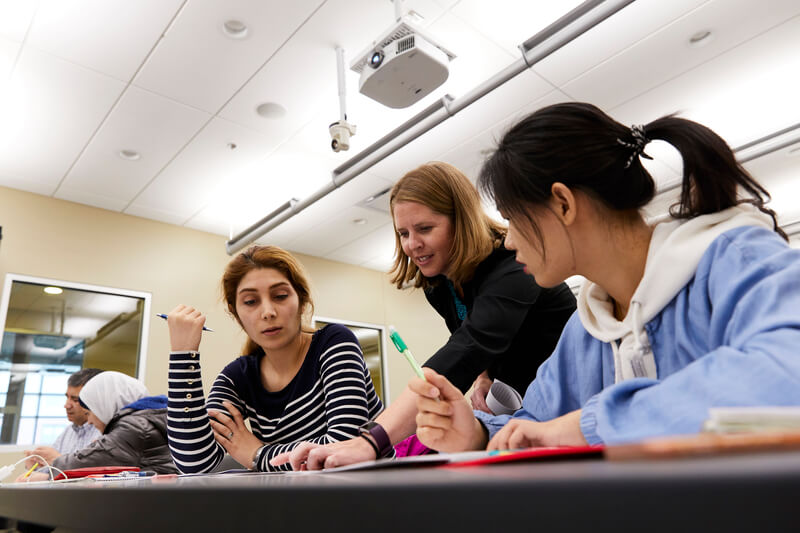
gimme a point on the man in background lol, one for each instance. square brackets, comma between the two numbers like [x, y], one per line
[76, 436]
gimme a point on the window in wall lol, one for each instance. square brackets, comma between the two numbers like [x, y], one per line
[51, 329]
[370, 337]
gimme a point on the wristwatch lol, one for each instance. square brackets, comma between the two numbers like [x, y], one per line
[256, 457]
[375, 432]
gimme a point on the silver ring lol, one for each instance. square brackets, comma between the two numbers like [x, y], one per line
[230, 435]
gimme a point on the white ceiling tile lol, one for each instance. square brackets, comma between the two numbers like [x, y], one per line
[469, 155]
[743, 94]
[198, 64]
[379, 264]
[499, 105]
[85, 197]
[375, 246]
[168, 216]
[27, 184]
[209, 224]
[8, 54]
[262, 188]
[509, 23]
[52, 109]
[447, 4]
[15, 18]
[329, 207]
[209, 221]
[667, 53]
[631, 24]
[144, 122]
[477, 58]
[207, 170]
[74, 31]
[338, 231]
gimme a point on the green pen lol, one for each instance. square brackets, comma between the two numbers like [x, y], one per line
[403, 349]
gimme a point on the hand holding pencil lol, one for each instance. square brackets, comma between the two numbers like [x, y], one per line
[445, 421]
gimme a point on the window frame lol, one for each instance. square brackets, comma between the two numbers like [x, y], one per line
[146, 297]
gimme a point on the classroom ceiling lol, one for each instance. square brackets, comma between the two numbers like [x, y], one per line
[83, 83]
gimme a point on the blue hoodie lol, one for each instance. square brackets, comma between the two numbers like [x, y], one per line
[729, 337]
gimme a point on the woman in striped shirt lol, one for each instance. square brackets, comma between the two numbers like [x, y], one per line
[295, 384]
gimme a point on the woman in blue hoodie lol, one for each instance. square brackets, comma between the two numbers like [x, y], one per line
[696, 312]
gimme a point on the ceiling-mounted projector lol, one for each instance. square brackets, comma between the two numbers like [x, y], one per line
[402, 66]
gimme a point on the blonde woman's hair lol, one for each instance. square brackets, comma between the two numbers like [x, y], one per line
[258, 257]
[444, 189]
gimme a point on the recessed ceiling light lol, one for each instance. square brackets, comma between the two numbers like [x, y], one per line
[130, 155]
[271, 110]
[53, 290]
[701, 38]
[359, 221]
[235, 29]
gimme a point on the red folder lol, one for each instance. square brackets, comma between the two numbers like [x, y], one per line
[91, 470]
[531, 454]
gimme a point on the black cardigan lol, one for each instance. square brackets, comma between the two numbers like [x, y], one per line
[512, 324]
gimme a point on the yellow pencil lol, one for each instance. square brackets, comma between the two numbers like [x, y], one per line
[29, 472]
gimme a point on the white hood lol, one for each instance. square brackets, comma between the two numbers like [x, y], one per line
[109, 391]
[675, 250]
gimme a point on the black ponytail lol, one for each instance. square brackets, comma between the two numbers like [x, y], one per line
[580, 146]
[712, 177]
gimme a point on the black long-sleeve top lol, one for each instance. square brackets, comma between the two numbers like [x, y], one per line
[512, 325]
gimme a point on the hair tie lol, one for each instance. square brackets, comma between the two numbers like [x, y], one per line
[637, 146]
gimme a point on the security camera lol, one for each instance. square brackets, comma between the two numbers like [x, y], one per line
[341, 130]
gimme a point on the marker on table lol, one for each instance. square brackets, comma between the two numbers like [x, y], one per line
[162, 315]
[403, 349]
[29, 472]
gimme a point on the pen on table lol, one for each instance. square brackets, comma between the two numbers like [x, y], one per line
[162, 315]
[127, 474]
[29, 472]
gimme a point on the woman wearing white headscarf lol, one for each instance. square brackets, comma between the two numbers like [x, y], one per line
[133, 426]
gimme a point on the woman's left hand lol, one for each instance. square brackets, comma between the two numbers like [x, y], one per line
[562, 431]
[233, 435]
[480, 389]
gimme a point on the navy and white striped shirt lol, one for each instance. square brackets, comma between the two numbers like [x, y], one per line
[329, 398]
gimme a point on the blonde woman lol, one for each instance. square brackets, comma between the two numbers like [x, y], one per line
[502, 324]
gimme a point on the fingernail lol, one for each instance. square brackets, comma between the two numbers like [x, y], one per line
[433, 392]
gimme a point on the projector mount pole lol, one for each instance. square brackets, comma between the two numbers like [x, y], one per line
[340, 76]
[398, 10]
[341, 130]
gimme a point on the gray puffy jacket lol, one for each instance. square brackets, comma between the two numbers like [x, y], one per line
[131, 438]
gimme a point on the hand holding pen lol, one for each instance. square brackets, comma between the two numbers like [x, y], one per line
[444, 417]
[186, 325]
[166, 317]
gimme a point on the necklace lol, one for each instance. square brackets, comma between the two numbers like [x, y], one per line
[461, 309]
